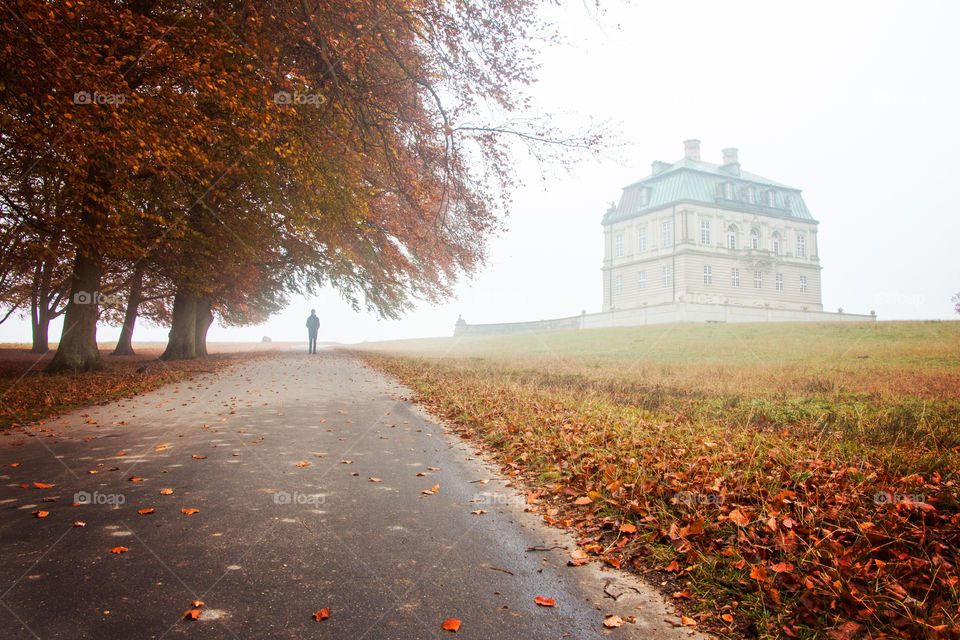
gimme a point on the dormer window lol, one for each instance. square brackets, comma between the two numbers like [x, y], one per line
[728, 191]
[751, 195]
[771, 198]
[644, 196]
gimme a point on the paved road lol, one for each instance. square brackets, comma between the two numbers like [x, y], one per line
[273, 542]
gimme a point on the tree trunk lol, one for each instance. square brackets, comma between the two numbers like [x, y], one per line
[204, 320]
[183, 329]
[125, 343]
[40, 326]
[77, 350]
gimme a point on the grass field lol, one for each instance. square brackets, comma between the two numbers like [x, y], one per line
[781, 480]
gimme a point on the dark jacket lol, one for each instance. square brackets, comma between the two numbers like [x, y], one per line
[313, 324]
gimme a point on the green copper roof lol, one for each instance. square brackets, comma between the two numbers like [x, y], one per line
[704, 182]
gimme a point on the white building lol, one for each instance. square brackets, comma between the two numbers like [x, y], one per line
[710, 234]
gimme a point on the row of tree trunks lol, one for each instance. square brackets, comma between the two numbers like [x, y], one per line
[78, 344]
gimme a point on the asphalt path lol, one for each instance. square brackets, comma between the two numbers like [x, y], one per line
[316, 486]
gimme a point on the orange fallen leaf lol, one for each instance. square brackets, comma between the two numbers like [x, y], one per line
[144, 512]
[190, 511]
[303, 464]
[193, 614]
[582, 500]
[739, 518]
[198, 457]
[673, 566]
[758, 573]
[197, 603]
[375, 480]
[627, 528]
[612, 622]
[478, 512]
[14, 464]
[166, 492]
[321, 614]
[92, 471]
[727, 617]
[689, 622]
[42, 485]
[119, 550]
[782, 567]
[135, 479]
[79, 523]
[451, 624]
[433, 468]
[40, 514]
[544, 602]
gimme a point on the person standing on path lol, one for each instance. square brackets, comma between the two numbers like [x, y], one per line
[313, 326]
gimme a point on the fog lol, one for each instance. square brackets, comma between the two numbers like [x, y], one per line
[853, 102]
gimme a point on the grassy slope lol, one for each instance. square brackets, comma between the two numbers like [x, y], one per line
[801, 424]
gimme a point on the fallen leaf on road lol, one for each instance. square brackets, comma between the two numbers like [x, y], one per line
[42, 485]
[432, 490]
[135, 479]
[612, 622]
[197, 603]
[688, 622]
[321, 614]
[451, 624]
[346, 462]
[190, 511]
[166, 492]
[433, 468]
[478, 512]
[303, 464]
[119, 550]
[79, 523]
[40, 514]
[544, 602]
[193, 614]
[14, 464]
[144, 512]
[375, 480]
[198, 457]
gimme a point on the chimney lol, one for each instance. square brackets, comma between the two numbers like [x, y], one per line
[691, 149]
[731, 164]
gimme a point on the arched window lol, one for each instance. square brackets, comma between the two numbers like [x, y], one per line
[754, 239]
[776, 243]
[732, 237]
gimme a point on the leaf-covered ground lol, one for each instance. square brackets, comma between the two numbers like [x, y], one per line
[27, 394]
[776, 480]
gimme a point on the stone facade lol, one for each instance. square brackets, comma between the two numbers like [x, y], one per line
[697, 232]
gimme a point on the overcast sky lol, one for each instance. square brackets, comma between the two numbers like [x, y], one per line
[855, 103]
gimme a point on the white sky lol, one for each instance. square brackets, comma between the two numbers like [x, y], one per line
[856, 103]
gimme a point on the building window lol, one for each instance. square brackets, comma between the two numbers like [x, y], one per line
[754, 239]
[771, 198]
[705, 232]
[667, 229]
[801, 246]
[618, 245]
[644, 196]
[707, 274]
[779, 282]
[735, 277]
[776, 243]
[803, 284]
[728, 190]
[731, 238]
[618, 285]
[641, 280]
[641, 239]
[751, 195]
[667, 277]
[757, 280]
